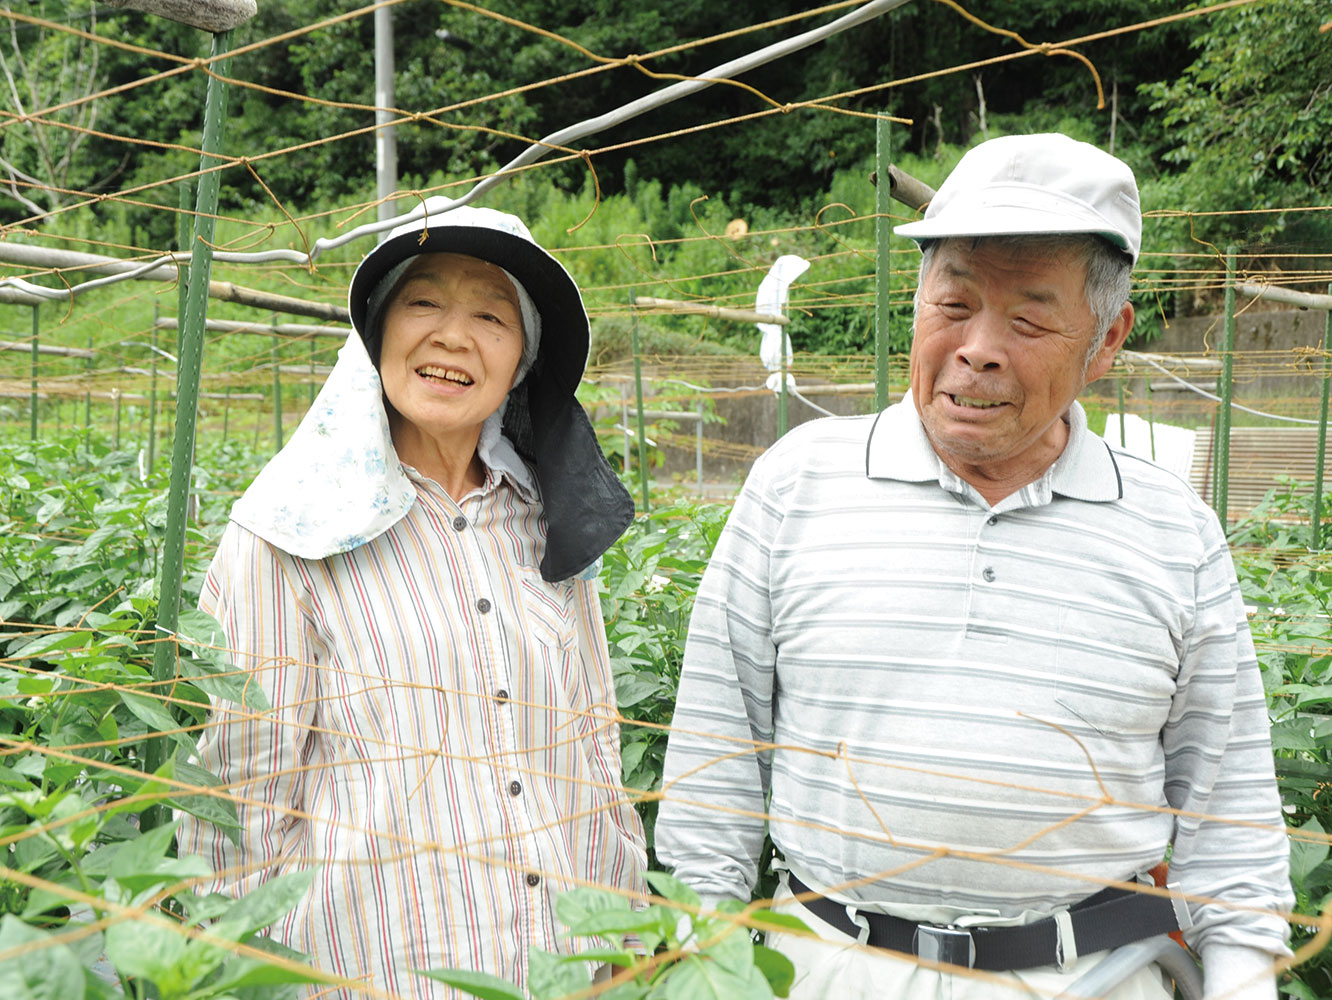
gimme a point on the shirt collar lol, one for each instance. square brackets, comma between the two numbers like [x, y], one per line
[898, 448]
[339, 483]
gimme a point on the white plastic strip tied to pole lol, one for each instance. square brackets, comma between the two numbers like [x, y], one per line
[773, 293]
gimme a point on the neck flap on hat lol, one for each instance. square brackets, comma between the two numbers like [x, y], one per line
[338, 483]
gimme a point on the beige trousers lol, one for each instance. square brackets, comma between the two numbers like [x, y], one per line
[834, 967]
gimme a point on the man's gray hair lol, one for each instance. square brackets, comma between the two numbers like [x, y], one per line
[1109, 271]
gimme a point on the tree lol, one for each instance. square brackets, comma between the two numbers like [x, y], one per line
[45, 69]
[1250, 120]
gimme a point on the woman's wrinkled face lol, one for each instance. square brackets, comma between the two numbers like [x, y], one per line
[452, 339]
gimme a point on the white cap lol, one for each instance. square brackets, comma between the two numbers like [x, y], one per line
[1035, 184]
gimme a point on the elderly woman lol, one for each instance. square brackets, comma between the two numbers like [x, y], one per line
[411, 585]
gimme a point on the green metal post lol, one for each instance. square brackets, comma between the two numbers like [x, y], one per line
[1227, 391]
[187, 398]
[87, 396]
[1123, 431]
[152, 397]
[312, 370]
[32, 396]
[638, 397]
[277, 395]
[1151, 420]
[183, 231]
[883, 233]
[1316, 540]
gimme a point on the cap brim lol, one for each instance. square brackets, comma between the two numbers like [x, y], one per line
[1009, 222]
[564, 327]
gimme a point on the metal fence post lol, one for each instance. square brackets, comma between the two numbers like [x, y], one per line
[183, 230]
[87, 396]
[1123, 431]
[698, 446]
[883, 233]
[187, 397]
[32, 395]
[277, 393]
[1227, 390]
[1315, 539]
[152, 397]
[638, 396]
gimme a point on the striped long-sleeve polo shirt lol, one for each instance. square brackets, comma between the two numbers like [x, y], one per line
[441, 742]
[939, 703]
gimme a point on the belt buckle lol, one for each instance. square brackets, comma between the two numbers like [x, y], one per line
[944, 945]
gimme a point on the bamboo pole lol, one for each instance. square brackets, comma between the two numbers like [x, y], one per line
[187, 388]
[650, 305]
[296, 331]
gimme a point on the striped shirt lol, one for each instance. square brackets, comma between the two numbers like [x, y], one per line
[442, 741]
[969, 708]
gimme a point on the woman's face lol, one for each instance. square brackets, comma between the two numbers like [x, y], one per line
[452, 340]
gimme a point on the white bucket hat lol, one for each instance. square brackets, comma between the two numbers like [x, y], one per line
[1032, 185]
[586, 506]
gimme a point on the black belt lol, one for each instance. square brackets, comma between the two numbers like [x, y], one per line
[1109, 919]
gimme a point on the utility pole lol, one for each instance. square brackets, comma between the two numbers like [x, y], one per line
[386, 143]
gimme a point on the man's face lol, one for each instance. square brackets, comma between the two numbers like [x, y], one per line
[999, 354]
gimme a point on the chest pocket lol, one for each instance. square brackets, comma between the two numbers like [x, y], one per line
[1114, 672]
[549, 610]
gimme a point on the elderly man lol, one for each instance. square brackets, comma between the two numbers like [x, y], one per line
[979, 670]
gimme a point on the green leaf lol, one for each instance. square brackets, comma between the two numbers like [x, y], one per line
[211, 666]
[478, 984]
[605, 922]
[550, 976]
[42, 968]
[1295, 988]
[631, 754]
[264, 905]
[633, 686]
[1306, 854]
[671, 888]
[694, 978]
[777, 969]
[152, 712]
[215, 809]
[727, 944]
[148, 948]
[577, 904]
[771, 920]
[245, 971]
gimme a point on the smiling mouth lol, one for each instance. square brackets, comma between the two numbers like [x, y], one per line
[452, 375]
[973, 402]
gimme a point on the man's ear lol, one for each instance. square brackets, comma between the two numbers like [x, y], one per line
[1114, 340]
